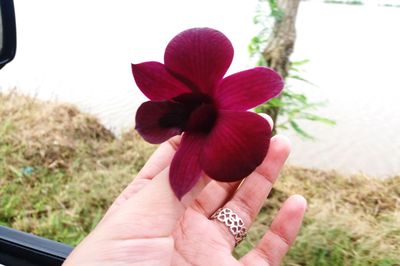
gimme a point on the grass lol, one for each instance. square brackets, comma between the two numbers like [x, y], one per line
[60, 169]
[353, 220]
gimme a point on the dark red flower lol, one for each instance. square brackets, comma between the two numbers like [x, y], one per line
[188, 93]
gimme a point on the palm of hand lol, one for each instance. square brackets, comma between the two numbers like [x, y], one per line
[199, 241]
[147, 225]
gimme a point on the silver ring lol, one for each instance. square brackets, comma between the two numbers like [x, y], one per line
[233, 222]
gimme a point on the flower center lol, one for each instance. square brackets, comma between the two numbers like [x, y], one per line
[200, 112]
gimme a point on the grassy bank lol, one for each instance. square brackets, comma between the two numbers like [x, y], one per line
[60, 169]
[351, 220]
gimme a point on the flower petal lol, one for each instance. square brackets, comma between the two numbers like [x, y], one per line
[200, 56]
[185, 168]
[236, 146]
[247, 89]
[154, 80]
[156, 122]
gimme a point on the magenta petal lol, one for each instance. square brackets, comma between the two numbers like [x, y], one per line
[236, 146]
[185, 168]
[156, 82]
[201, 56]
[247, 89]
[156, 122]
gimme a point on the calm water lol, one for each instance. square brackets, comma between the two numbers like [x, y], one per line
[354, 53]
[83, 56]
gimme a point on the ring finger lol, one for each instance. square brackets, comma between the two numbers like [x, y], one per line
[250, 196]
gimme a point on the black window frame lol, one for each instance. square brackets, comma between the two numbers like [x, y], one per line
[23, 249]
[9, 32]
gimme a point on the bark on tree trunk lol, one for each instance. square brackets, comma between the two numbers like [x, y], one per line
[281, 43]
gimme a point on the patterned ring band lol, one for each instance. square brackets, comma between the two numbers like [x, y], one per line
[233, 222]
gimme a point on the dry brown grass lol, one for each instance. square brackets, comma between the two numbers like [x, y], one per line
[355, 194]
[49, 133]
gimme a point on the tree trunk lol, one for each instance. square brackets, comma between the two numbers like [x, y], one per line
[281, 43]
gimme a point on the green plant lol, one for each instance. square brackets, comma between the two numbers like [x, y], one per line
[291, 106]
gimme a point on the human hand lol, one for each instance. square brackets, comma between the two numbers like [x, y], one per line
[148, 225]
